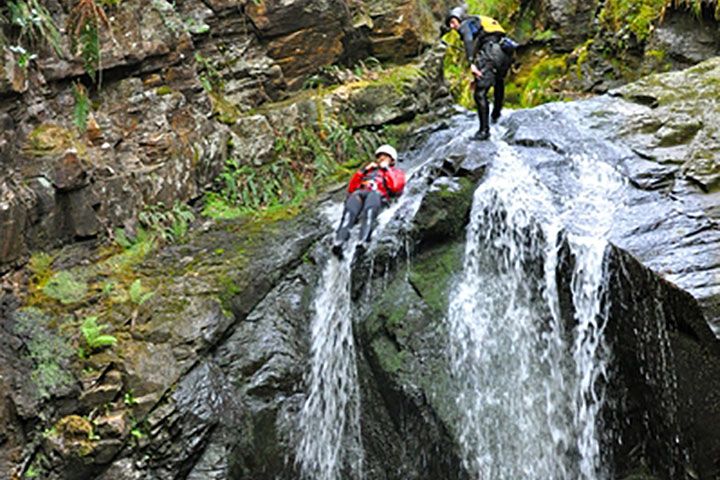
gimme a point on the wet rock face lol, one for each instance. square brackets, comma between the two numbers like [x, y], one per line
[662, 412]
[571, 19]
[687, 39]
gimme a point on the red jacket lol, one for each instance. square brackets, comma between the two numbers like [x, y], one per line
[389, 182]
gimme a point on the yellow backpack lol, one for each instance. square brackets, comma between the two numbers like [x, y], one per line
[490, 25]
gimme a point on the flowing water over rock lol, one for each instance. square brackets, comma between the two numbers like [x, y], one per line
[330, 444]
[530, 392]
[329, 421]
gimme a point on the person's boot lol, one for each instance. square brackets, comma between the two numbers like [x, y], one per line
[483, 132]
[495, 115]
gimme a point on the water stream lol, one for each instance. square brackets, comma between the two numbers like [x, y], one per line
[529, 383]
[530, 387]
[330, 446]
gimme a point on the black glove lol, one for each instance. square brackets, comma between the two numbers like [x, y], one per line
[443, 30]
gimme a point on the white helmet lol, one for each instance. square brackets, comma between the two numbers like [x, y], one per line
[387, 150]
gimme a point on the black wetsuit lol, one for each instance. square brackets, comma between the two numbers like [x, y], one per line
[484, 49]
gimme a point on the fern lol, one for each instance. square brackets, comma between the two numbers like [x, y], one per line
[35, 24]
[89, 41]
[92, 333]
[138, 295]
[82, 107]
[84, 23]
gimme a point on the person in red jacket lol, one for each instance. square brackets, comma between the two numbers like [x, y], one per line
[370, 189]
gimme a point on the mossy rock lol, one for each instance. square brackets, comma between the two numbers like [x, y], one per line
[432, 275]
[48, 350]
[66, 288]
[444, 210]
[50, 139]
[72, 435]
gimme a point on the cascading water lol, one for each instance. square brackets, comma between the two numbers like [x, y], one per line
[329, 421]
[528, 396]
[330, 445]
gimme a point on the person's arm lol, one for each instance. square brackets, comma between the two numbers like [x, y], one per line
[355, 181]
[395, 181]
[467, 32]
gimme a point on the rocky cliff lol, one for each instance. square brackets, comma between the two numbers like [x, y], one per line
[129, 361]
[206, 377]
[178, 89]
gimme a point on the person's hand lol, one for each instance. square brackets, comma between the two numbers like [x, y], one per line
[370, 166]
[475, 71]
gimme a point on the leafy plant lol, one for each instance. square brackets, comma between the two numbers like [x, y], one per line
[129, 399]
[304, 159]
[92, 333]
[82, 107]
[138, 295]
[34, 24]
[85, 22]
[171, 225]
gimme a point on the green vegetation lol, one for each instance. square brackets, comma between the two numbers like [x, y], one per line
[696, 6]
[65, 288]
[169, 224]
[85, 22]
[457, 71]
[213, 83]
[93, 336]
[34, 26]
[138, 295]
[40, 266]
[47, 349]
[305, 159]
[536, 83]
[502, 10]
[50, 139]
[81, 111]
[637, 16]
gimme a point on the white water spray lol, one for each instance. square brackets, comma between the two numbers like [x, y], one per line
[529, 392]
[330, 446]
[329, 420]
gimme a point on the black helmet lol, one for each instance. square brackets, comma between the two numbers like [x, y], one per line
[456, 12]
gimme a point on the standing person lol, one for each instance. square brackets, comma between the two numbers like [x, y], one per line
[489, 53]
[370, 189]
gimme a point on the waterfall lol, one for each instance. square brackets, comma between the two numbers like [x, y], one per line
[330, 445]
[329, 420]
[529, 386]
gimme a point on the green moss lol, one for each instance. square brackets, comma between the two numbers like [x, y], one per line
[163, 90]
[51, 139]
[502, 10]
[65, 288]
[47, 350]
[76, 433]
[432, 274]
[535, 83]
[637, 16]
[390, 358]
[40, 267]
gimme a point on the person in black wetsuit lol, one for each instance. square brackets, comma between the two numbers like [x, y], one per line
[489, 52]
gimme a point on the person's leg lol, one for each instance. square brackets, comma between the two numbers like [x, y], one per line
[482, 87]
[498, 98]
[371, 210]
[353, 207]
[481, 94]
